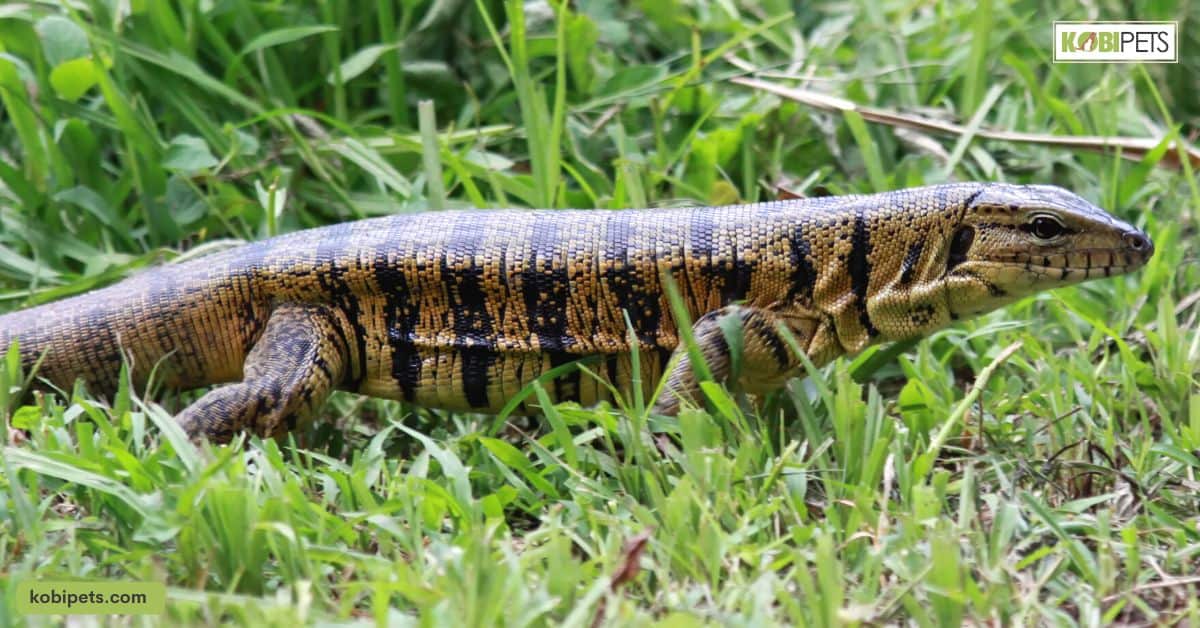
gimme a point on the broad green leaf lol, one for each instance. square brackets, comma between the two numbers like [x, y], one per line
[62, 40]
[359, 62]
[184, 204]
[284, 36]
[88, 200]
[188, 154]
[26, 417]
[72, 79]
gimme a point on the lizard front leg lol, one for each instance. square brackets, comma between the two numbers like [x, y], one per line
[299, 359]
[766, 360]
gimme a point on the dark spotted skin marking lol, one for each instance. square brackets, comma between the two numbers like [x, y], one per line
[993, 289]
[463, 309]
[922, 314]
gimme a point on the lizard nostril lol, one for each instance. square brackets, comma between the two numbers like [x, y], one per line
[1138, 242]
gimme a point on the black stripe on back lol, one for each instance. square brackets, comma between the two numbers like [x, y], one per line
[860, 270]
[464, 282]
[909, 266]
[544, 286]
[770, 336]
[401, 317]
[476, 372]
[330, 248]
[621, 281]
[473, 326]
[737, 281]
[803, 276]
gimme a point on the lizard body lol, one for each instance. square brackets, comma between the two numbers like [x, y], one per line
[462, 309]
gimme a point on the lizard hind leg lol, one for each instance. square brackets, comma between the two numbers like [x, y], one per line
[291, 370]
[765, 361]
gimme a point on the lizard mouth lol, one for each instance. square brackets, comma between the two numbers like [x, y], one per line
[1064, 273]
[1079, 263]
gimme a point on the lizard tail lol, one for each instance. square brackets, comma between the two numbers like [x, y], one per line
[187, 332]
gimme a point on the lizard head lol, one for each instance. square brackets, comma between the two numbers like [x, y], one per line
[1015, 240]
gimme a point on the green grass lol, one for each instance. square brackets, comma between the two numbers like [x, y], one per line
[945, 483]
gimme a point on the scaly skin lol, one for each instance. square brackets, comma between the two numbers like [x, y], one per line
[462, 309]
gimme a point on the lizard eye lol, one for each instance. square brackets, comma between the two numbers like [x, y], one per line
[1046, 227]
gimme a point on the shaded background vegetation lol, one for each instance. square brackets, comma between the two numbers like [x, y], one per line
[132, 133]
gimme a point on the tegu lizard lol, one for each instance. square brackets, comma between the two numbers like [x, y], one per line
[462, 309]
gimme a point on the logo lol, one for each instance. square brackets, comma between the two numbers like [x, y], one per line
[1120, 42]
